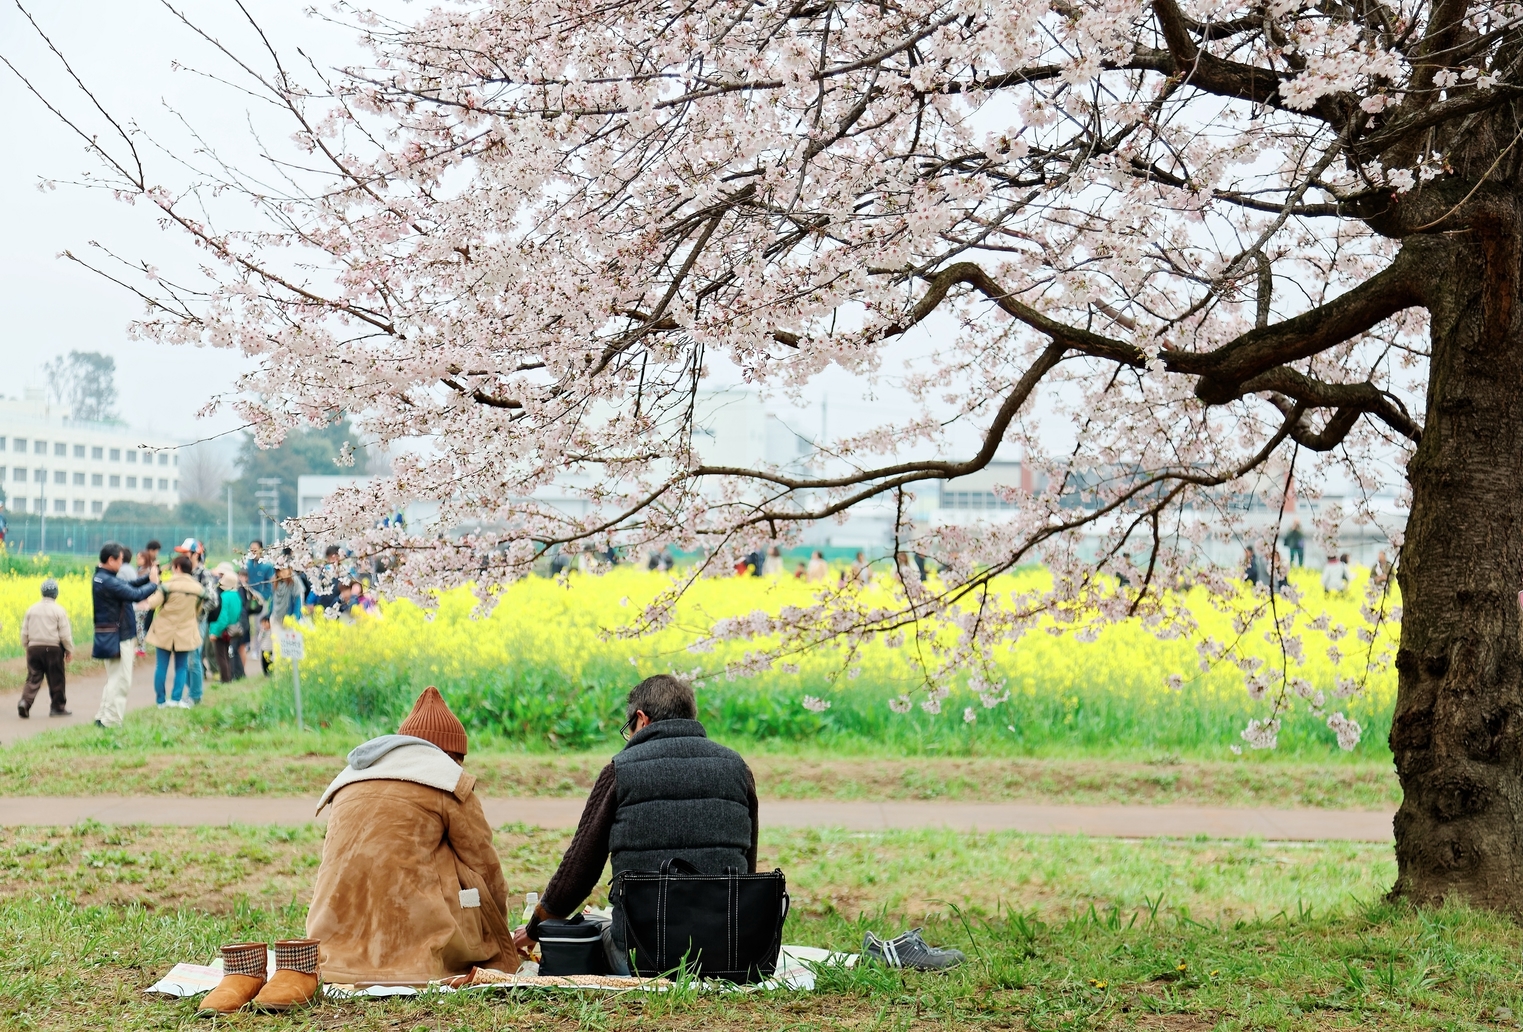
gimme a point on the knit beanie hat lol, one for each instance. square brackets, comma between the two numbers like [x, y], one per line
[432, 721]
[50, 588]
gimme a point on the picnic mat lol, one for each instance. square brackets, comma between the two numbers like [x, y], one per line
[795, 970]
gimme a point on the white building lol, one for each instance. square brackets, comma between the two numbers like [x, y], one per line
[313, 489]
[50, 463]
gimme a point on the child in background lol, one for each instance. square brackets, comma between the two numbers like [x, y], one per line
[264, 644]
[360, 601]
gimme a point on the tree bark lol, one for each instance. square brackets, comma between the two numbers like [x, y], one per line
[1457, 734]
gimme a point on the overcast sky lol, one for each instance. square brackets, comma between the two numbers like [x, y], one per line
[126, 51]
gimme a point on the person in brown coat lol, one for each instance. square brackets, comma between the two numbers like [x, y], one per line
[410, 889]
[176, 633]
[48, 641]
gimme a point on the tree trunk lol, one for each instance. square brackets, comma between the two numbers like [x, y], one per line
[1457, 734]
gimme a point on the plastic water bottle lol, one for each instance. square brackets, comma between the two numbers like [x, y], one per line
[531, 901]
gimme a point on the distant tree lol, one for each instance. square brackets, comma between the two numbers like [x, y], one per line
[303, 451]
[186, 514]
[85, 381]
[203, 472]
[137, 512]
[195, 513]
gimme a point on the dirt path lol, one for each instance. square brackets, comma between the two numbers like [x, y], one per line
[1033, 818]
[84, 682]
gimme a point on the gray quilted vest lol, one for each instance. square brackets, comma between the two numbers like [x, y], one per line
[680, 795]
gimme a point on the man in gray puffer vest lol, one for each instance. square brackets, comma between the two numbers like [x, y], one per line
[669, 793]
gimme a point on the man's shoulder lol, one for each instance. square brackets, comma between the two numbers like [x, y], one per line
[683, 747]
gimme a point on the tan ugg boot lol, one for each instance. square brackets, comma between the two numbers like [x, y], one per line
[296, 977]
[244, 965]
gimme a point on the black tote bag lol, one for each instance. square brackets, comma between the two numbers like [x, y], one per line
[727, 926]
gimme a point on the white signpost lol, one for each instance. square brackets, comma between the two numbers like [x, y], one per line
[293, 647]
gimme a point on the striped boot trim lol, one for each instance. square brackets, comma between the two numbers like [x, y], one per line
[296, 955]
[246, 958]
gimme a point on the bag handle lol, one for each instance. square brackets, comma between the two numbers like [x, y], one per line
[675, 864]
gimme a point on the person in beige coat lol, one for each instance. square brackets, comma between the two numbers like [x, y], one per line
[48, 641]
[175, 633]
[410, 889]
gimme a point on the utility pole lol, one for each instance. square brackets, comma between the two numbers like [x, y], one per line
[229, 518]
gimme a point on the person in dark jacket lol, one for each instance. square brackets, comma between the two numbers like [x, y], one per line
[669, 793]
[114, 618]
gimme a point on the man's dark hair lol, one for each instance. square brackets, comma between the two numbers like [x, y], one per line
[153, 546]
[110, 549]
[256, 541]
[330, 552]
[662, 697]
[182, 563]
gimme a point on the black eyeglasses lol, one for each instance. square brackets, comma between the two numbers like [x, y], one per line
[628, 730]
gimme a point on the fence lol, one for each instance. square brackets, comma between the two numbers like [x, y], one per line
[30, 534]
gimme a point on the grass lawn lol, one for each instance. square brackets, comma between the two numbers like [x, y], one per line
[221, 750]
[1063, 933]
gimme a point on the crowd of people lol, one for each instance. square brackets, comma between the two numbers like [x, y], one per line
[1337, 574]
[201, 621]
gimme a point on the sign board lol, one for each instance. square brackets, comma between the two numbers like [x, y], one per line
[292, 645]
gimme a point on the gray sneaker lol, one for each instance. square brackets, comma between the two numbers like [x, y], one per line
[910, 951]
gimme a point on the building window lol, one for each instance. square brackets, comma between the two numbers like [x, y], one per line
[79, 506]
[20, 504]
[79, 451]
[59, 505]
[148, 483]
[2, 443]
[177, 458]
[116, 481]
[163, 458]
[132, 456]
[131, 482]
[97, 453]
[116, 455]
[79, 480]
[60, 449]
[163, 484]
[96, 507]
[177, 485]
[39, 505]
[60, 477]
[96, 480]
[40, 476]
[19, 473]
[39, 447]
[19, 443]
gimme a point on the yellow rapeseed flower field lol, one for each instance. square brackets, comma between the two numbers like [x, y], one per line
[549, 640]
[548, 665]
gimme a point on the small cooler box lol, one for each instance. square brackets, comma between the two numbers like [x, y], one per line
[571, 947]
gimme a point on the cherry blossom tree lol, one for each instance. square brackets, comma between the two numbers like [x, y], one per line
[1222, 244]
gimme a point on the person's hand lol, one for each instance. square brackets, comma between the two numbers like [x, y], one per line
[68, 656]
[522, 941]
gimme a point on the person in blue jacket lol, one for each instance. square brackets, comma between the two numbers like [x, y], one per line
[115, 618]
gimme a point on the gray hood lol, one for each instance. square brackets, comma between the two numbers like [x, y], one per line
[367, 753]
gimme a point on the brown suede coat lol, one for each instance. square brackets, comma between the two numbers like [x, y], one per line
[387, 903]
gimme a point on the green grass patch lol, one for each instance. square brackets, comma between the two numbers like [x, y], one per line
[228, 748]
[1062, 934]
